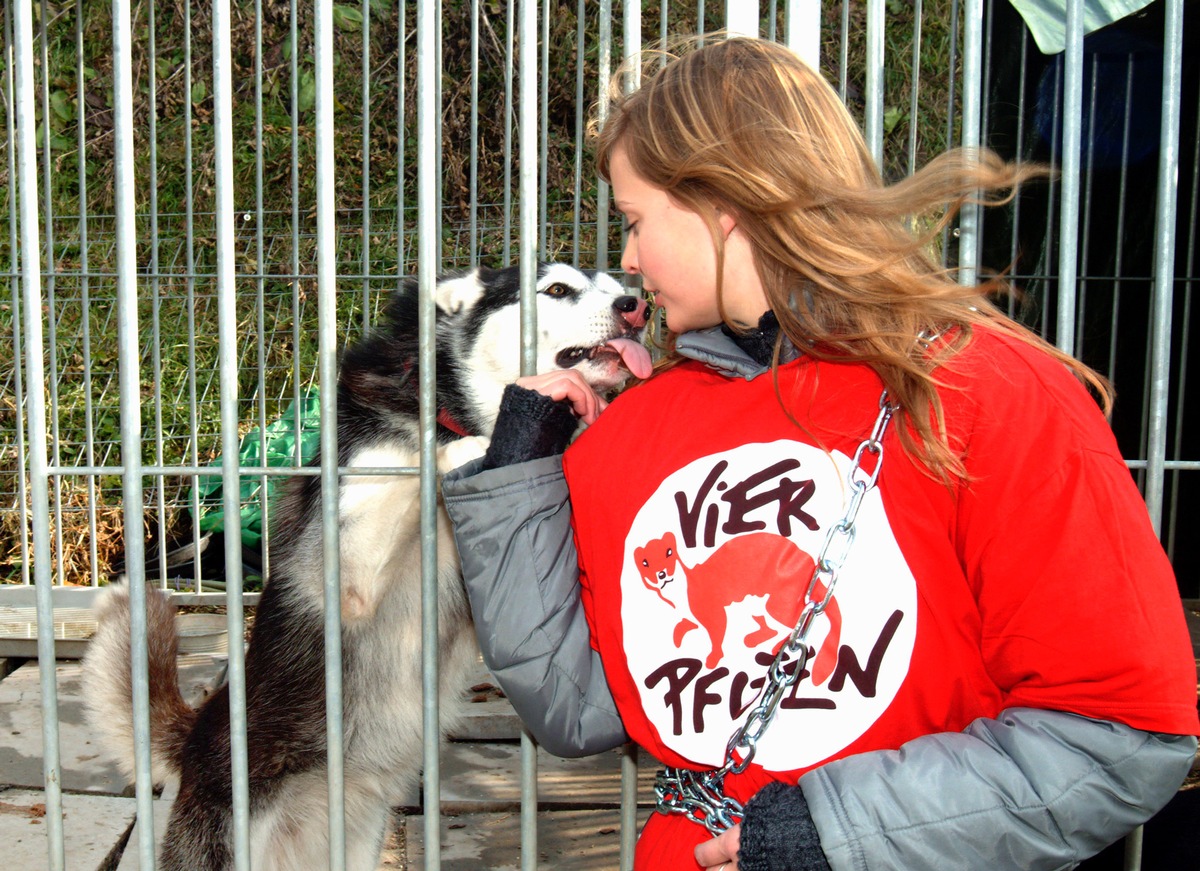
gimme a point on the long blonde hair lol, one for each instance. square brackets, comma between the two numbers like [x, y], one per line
[744, 125]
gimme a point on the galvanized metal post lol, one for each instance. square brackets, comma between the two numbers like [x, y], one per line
[603, 194]
[969, 217]
[15, 278]
[327, 365]
[873, 120]
[741, 17]
[1164, 257]
[130, 412]
[803, 30]
[428, 134]
[227, 330]
[1068, 230]
[26, 171]
[527, 148]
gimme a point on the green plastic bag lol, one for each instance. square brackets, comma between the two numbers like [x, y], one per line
[280, 444]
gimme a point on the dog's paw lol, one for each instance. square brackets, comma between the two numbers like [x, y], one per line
[461, 451]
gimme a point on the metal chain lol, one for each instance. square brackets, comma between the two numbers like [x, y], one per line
[699, 795]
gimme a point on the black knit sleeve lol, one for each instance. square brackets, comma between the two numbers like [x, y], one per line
[530, 426]
[778, 833]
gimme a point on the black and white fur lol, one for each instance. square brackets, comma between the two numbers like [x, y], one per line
[477, 355]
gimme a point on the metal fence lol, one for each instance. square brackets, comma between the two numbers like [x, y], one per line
[204, 204]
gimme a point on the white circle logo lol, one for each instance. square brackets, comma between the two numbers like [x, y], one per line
[717, 564]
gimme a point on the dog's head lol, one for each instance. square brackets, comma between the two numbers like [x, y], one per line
[585, 321]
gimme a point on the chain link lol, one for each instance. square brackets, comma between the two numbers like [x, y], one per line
[699, 795]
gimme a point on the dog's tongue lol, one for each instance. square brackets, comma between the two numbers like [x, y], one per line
[634, 355]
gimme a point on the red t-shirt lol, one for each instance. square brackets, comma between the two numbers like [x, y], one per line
[699, 506]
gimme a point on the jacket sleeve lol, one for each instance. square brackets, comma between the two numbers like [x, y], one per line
[513, 529]
[1032, 789]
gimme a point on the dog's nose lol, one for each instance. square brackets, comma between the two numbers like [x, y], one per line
[633, 309]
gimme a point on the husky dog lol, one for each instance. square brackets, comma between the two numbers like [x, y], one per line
[586, 322]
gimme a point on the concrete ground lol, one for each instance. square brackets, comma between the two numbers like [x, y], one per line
[578, 820]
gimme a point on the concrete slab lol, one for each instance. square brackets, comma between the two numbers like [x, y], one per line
[92, 826]
[84, 768]
[392, 857]
[489, 716]
[579, 840]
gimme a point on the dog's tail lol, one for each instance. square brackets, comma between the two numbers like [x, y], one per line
[108, 683]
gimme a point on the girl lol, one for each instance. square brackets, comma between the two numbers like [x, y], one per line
[991, 670]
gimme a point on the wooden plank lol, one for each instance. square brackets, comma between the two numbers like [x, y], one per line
[579, 840]
[485, 777]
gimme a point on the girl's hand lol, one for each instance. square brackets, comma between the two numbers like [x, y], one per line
[720, 854]
[569, 385]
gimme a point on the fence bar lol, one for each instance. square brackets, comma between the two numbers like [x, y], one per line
[428, 132]
[365, 71]
[190, 251]
[26, 171]
[580, 42]
[629, 789]
[914, 92]
[155, 297]
[604, 36]
[401, 130]
[543, 146]
[1133, 849]
[1085, 231]
[1043, 326]
[1184, 348]
[741, 17]
[509, 27]
[473, 183]
[131, 424]
[327, 364]
[663, 10]
[1068, 230]
[14, 253]
[844, 52]
[441, 202]
[527, 147]
[260, 289]
[1164, 256]
[969, 217]
[632, 46]
[803, 30]
[1119, 236]
[51, 289]
[230, 483]
[85, 304]
[297, 290]
[874, 96]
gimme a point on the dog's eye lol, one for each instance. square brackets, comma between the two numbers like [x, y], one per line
[557, 290]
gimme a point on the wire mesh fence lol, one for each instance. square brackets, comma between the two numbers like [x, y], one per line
[1103, 257]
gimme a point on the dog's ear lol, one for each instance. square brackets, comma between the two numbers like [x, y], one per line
[454, 294]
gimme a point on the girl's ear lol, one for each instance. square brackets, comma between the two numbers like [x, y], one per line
[726, 221]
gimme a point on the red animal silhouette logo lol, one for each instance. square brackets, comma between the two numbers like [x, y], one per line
[758, 564]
